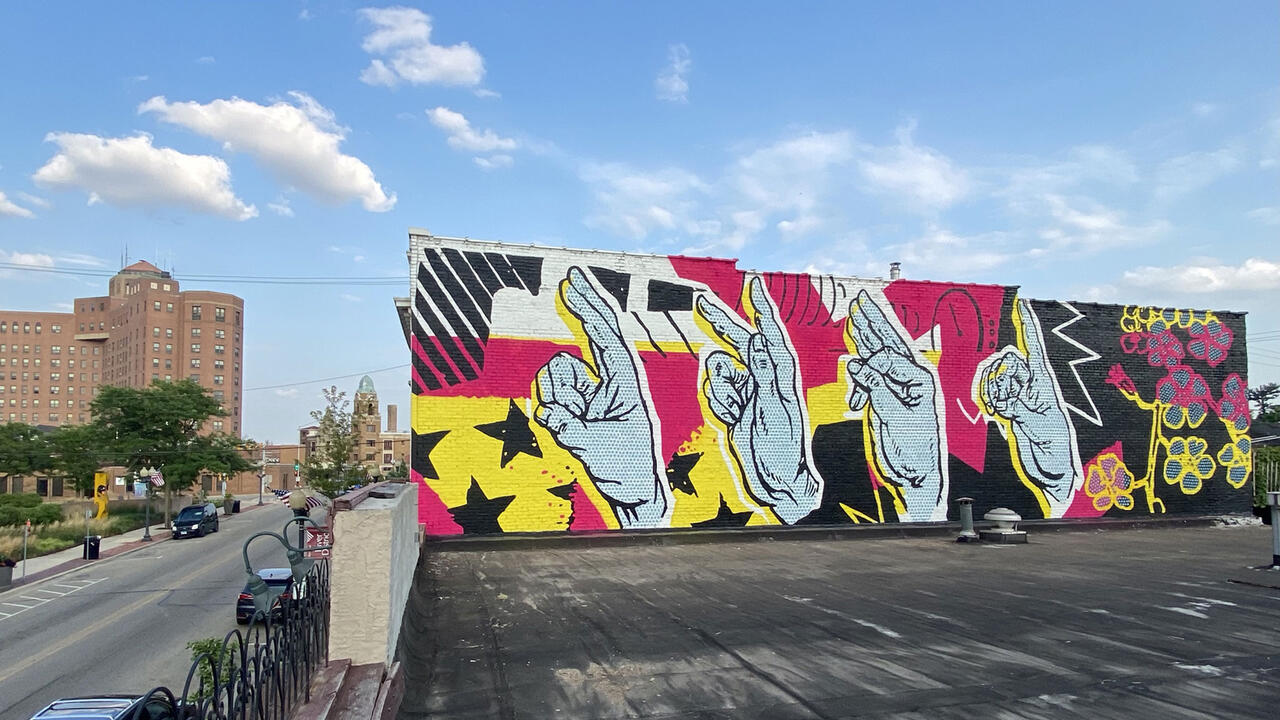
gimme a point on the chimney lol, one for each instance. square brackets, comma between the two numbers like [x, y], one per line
[391, 418]
[895, 270]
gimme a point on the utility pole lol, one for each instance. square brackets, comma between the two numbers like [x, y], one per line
[262, 472]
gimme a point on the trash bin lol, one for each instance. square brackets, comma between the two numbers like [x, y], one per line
[235, 506]
[92, 547]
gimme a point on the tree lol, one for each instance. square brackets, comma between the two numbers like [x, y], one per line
[23, 449]
[1264, 396]
[330, 470]
[158, 426]
[76, 452]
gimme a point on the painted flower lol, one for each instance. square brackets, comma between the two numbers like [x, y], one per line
[1118, 377]
[1235, 457]
[1131, 321]
[1233, 408]
[1187, 465]
[1109, 483]
[1161, 320]
[1134, 343]
[1210, 341]
[1164, 348]
[1185, 396]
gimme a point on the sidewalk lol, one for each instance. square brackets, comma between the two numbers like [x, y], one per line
[39, 568]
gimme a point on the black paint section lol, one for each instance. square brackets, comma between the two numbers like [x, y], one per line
[422, 445]
[724, 518]
[515, 434]
[504, 270]
[529, 268]
[615, 283]
[438, 331]
[467, 276]
[678, 472]
[479, 516]
[839, 457]
[665, 296]
[460, 331]
[479, 322]
[481, 266]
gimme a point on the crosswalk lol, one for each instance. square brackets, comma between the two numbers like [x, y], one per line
[13, 603]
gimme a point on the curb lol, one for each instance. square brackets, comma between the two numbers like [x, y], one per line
[565, 541]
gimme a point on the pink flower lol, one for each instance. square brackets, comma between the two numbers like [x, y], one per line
[1209, 341]
[1164, 349]
[1234, 405]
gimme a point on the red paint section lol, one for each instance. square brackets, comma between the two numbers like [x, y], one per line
[968, 319]
[721, 275]
[432, 512]
[673, 384]
[510, 367]
[1082, 504]
[586, 517]
[818, 341]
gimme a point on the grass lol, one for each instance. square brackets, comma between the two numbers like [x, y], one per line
[51, 538]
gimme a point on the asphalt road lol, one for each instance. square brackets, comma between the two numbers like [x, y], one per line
[122, 625]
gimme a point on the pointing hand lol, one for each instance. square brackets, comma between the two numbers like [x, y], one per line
[904, 418]
[755, 392]
[599, 413]
[1020, 389]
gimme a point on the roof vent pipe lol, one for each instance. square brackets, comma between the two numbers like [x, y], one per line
[895, 270]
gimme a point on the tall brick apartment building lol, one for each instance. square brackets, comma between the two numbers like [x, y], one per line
[143, 329]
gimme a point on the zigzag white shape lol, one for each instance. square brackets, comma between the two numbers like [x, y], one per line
[1090, 356]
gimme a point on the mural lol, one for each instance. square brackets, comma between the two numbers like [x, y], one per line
[559, 390]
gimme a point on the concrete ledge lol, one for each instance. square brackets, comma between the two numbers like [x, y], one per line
[390, 693]
[358, 696]
[323, 691]
[775, 533]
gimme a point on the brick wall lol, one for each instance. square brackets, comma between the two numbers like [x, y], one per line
[562, 390]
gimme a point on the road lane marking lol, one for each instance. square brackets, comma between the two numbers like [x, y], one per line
[24, 607]
[43, 600]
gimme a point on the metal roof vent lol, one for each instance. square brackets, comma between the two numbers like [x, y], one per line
[1006, 527]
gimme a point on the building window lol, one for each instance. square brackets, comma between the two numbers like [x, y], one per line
[155, 362]
[195, 312]
[217, 426]
[237, 317]
[194, 377]
[55, 350]
[156, 306]
[386, 444]
[218, 364]
[220, 314]
[155, 347]
[55, 328]
[167, 287]
[155, 286]
[195, 332]
[195, 347]
[219, 395]
[168, 349]
[220, 334]
[217, 379]
[195, 362]
[155, 332]
[37, 328]
[168, 332]
[218, 349]
[168, 307]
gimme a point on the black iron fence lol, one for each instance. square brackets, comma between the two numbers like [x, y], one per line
[263, 672]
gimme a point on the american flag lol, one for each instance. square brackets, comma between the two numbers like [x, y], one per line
[312, 501]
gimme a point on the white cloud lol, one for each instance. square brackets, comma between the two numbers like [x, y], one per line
[30, 199]
[287, 392]
[633, 203]
[487, 94]
[9, 208]
[494, 162]
[924, 177]
[298, 142]
[64, 306]
[35, 260]
[281, 207]
[349, 297]
[131, 172]
[1265, 215]
[942, 255]
[1185, 174]
[1252, 274]
[139, 78]
[672, 84]
[402, 36]
[305, 14]
[463, 137]
[206, 60]
[80, 259]
[1204, 109]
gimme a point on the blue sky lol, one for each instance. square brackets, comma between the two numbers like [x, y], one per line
[1080, 150]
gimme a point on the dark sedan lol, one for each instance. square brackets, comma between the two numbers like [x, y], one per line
[281, 587]
[109, 707]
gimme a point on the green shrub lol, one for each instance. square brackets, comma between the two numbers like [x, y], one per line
[210, 651]
[19, 500]
[40, 514]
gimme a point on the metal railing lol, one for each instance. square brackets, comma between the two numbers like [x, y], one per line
[263, 672]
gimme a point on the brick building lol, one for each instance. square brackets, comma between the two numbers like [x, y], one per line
[144, 329]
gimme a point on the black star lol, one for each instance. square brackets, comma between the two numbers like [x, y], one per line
[725, 518]
[422, 447]
[565, 492]
[515, 434]
[479, 516]
[678, 472]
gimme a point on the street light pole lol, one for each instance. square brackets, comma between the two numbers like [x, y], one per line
[146, 523]
[262, 472]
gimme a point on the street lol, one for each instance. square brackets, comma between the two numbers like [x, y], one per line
[122, 625]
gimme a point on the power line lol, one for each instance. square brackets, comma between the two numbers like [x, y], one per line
[327, 379]
[242, 279]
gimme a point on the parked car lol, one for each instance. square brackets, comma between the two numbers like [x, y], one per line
[196, 520]
[109, 707]
[283, 591]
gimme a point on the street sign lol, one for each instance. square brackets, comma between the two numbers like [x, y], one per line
[316, 537]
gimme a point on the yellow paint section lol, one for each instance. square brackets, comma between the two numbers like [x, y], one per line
[713, 478]
[828, 404]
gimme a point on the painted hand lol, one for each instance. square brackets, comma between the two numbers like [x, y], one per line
[756, 394]
[903, 395]
[1020, 389]
[599, 413]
